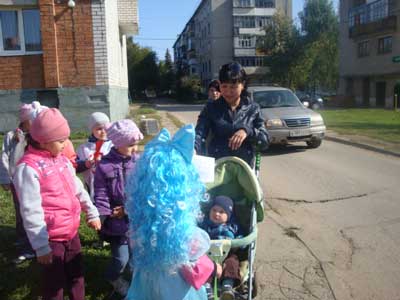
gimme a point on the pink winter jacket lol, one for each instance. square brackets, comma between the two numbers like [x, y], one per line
[60, 203]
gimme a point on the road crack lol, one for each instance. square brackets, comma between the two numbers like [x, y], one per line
[302, 201]
[319, 262]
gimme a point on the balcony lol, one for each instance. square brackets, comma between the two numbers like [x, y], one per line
[375, 17]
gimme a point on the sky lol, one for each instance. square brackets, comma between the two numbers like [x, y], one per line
[161, 21]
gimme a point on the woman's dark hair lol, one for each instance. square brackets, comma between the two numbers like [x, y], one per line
[214, 84]
[232, 73]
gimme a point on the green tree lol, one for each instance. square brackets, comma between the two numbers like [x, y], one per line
[306, 58]
[320, 26]
[167, 73]
[317, 18]
[282, 45]
[188, 88]
[143, 69]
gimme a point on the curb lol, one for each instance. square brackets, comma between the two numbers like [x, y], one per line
[360, 145]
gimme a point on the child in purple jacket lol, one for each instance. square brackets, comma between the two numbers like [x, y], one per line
[109, 197]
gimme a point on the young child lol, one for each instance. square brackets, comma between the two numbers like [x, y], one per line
[109, 196]
[14, 144]
[51, 198]
[92, 151]
[164, 195]
[219, 225]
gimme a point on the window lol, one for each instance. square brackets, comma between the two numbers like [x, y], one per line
[363, 49]
[385, 45]
[242, 3]
[245, 21]
[20, 32]
[265, 3]
[263, 21]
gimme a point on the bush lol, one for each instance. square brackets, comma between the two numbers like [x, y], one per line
[188, 88]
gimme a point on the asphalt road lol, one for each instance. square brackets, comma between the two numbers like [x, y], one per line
[332, 228]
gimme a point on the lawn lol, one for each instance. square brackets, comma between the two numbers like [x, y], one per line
[379, 124]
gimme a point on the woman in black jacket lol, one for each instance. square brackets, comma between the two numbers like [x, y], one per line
[235, 122]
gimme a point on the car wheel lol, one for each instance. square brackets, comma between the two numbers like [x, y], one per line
[314, 143]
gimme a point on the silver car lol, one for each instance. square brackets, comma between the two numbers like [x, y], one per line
[286, 118]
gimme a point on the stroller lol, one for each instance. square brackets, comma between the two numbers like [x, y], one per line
[235, 178]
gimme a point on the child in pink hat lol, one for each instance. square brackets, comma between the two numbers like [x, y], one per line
[109, 197]
[51, 197]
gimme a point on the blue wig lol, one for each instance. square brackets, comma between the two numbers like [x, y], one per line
[163, 202]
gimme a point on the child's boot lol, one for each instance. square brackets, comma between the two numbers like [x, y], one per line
[227, 292]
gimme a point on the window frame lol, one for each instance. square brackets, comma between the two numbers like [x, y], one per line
[363, 49]
[21, 35]
[383, 52]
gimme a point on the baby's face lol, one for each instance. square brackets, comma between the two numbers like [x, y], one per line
[218, 215]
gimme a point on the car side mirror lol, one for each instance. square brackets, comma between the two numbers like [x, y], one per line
[306, 104]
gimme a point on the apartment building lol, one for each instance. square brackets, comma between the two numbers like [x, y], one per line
[69, 54]
[221, 31]
[370, 51]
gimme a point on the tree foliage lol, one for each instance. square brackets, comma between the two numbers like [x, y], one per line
[143, 69]
[167, 73]
[305, 58]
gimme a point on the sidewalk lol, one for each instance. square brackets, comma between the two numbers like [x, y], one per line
[364, 143]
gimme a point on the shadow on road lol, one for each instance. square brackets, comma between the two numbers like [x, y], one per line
[275, 150]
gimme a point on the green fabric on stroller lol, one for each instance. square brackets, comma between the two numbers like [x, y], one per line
[234, 178]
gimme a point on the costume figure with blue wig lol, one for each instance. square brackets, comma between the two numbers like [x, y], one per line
[164, 195]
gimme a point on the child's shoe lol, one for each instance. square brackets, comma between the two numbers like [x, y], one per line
[227, 292]
[120, 286]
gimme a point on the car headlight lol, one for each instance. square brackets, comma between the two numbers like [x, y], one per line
[317, 120]
[274, 123]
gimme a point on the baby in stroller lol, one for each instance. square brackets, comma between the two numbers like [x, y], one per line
[220, 225]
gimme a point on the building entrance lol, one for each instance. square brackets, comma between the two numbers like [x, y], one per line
[380, 93]
[396, 92]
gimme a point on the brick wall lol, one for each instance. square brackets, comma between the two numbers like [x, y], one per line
[67, 41]
[21, 72]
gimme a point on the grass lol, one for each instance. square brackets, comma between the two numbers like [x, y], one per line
[144, 110]
[380, 124]
[22, 282]
[178, 123]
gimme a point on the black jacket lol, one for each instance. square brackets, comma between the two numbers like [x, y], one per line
[217, 119]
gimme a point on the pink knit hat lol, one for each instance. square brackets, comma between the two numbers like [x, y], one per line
[124, 133]
[50, 126]
[30, 111]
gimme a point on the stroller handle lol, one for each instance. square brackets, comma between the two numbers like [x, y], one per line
[247, 240]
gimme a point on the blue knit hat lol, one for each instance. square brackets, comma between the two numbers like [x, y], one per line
[226, 203]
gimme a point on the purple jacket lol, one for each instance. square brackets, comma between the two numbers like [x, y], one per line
[109, 190]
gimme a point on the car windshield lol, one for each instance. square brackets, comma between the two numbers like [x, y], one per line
[276, 98]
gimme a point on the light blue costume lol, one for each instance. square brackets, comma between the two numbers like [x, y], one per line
[164, 194]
